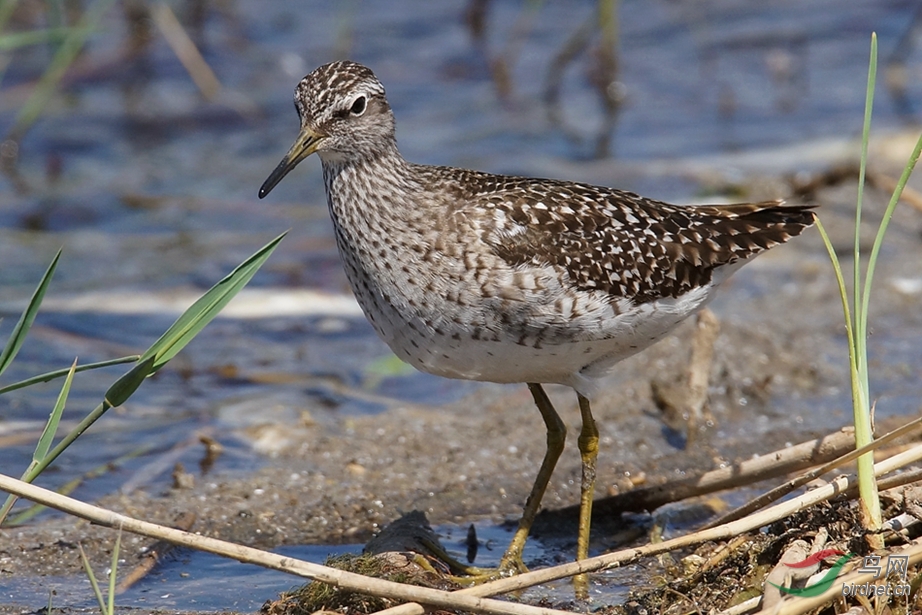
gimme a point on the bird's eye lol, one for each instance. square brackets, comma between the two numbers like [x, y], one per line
[358, 107]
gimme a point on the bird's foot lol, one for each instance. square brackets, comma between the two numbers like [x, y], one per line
[467, 575]
[510, 565]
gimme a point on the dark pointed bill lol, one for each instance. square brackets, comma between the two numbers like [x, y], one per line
[305, 145]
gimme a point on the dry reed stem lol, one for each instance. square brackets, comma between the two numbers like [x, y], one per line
[723, 532]
[337, 578]
[770, 465]
[473, 598]
[186, 51]
[782, 490]
[154, 555]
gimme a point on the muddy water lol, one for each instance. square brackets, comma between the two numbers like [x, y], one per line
[151, 193]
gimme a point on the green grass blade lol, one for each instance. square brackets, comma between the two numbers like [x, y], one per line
[14, 343]
[861, 317]
[14, 40]
[885, 222]
[62, 59]
[45, 440]
[123, 387]
[863, 435]
[75, 433]
[857, 395]
[207, 307]
[113, 567]
[92, 577]
[49, 376]
[51, 427]
[843, 291]
[869, 499]
[175, 339]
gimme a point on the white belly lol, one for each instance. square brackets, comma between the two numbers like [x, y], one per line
[577, 361]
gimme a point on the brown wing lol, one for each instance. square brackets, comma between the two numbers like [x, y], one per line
[629, 246]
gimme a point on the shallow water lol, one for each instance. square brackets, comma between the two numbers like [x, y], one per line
[152, 194]
[186, 580]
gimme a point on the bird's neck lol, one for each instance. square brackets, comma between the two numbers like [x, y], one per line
[373, 203]
[368, 185]
[370, 198]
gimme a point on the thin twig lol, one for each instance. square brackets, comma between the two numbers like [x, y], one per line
[770, 465]
[472, 598]
[884, 182]
[682, 401]
[707, 327]
[154, 554]
[67, 52]
[186, 51]
[628, 556]
[337, 578]
[782, 490]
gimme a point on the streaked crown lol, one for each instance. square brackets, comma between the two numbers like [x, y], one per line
[345, 102]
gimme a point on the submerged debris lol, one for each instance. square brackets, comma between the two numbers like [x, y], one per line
[718, 576]
[316, 596]
[402, 553]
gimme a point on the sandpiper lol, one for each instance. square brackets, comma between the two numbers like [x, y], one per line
[512, 279]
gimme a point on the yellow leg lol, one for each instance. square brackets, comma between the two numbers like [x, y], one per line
[588, 451]
[556, 436]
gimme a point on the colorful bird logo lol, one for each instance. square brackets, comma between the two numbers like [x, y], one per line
[825, 581]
